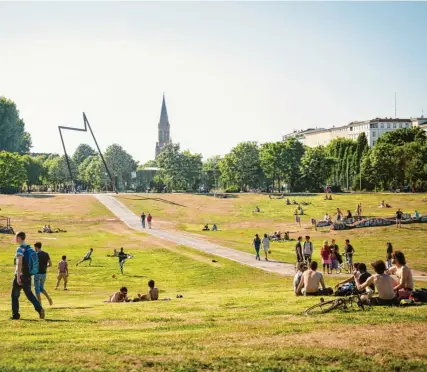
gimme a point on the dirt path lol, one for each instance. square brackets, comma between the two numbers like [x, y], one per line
[133, 221]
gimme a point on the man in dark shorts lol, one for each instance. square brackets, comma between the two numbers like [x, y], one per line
[143, 220]
[399, 215]
[349, 250]
[40, 278]
[86, 258]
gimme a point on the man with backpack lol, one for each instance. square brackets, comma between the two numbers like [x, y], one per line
[27, 264]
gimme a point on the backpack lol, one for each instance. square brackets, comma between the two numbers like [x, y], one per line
[345, 290]
[30, 263]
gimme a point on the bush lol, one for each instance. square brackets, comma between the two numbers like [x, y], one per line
[232, 188]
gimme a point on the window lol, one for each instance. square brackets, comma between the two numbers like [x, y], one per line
[407, 125]
[374, 125]
[382, 125]
[351, 129]
[388, 125]
[373, 143]
[394, 125]
[374, 134]
[400, 125]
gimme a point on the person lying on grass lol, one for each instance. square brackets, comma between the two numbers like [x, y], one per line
[121, 296]
[310, 281]
[152, 295]
[47, 229]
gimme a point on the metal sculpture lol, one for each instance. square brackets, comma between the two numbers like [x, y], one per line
[86, 125]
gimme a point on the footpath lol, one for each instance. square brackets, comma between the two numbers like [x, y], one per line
[133, 221]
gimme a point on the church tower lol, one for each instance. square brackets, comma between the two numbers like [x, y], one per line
[164, 129]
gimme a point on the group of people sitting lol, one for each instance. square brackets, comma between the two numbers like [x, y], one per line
[309, 282]
[206, 228]
[299, 211]
[277, 236]
[122, 295]
[384, 205]
[47, 229]
[328, 197]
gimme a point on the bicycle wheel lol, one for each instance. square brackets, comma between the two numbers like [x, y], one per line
[323, 307]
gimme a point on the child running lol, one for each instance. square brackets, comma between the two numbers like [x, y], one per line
[86, 258]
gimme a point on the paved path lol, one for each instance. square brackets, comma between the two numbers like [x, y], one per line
[133, 221]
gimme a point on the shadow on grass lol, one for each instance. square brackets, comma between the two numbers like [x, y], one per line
[45, 320]
[160, 200]
[72, 307]
[138, 276]
[37, 196]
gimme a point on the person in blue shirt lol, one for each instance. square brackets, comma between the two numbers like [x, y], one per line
[22, 280]
[257, 244]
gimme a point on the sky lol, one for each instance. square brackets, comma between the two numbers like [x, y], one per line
[230, 71]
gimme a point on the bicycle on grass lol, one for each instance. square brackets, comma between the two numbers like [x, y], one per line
[342, 303]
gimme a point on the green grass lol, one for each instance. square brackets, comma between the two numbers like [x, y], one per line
[232, 317]
[238, 223]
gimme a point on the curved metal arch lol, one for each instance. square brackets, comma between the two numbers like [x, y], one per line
[86, 125]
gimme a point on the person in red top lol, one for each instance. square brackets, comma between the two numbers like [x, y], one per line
[149, 218]
[325, 253]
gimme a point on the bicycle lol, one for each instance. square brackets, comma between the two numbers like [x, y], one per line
[343, 303]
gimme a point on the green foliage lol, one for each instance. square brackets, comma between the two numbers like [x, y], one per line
[148, 164]
[35, 170]
[57, 170]
[93, 173]
[180, 171]
[13, 137]
[316, 167]
[242, 166]
[12, 171]
[401, 136]
[82, 152]
[121, 165]
[211, 172]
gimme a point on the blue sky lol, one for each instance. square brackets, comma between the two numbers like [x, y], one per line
[231, 72]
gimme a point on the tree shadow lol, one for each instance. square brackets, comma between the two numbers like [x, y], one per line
[72, 307]
[159, 200]
[138, 276]
[36, 196]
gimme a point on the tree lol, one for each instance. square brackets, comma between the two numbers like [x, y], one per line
[316, 167]
[211, 172]
[274, 162]
[82, 152]
[93, 173]
[12, 171]
[34, 169]
[13, 137]
[385, 165]
[120, 164]
[57, 170]
[242, 166]
[148, 164]
[293, 154]
[401, 136]
[192, 170]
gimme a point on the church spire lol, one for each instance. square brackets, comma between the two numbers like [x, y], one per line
[164, 113]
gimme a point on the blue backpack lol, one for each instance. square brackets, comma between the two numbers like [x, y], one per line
[30, 262]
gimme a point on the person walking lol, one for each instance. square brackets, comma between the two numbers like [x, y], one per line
[266, 245]
[62, 273]
[257, 245]
[307, 249]
[149, 219]
[25, 262]
[143, 220]
[40, 278]
[298, 250]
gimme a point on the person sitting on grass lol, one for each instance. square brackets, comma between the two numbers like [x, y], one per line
[330, 197]
[310, 281]
[362, 273]
[383, 283]
[403, 273]
[152, 295]
[327, 218]
[121, 296]
[206, 228]
[297, 278]
[288, 202]
[257, 210]
[214, 227]
[326, 197]
[416, 215]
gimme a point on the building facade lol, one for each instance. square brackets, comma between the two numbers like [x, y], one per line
[164, 129]
[420, 122]
[373, 129]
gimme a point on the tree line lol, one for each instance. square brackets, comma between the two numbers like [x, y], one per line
[398, 158]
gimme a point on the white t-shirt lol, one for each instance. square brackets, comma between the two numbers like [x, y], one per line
[265, 243]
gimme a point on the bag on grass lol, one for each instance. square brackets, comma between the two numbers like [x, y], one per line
[345, 290]
[30, 262]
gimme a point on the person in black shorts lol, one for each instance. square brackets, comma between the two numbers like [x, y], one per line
[298, 250]
[399, 215]
[349, 250]
[86, 258]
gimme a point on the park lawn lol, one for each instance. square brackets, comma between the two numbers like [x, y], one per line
[238, 223]
[232, 317]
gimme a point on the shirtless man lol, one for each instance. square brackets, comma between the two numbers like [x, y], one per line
[309, 284]
[121, 296]
[403, 273]
[152, 295]
[383, 283]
